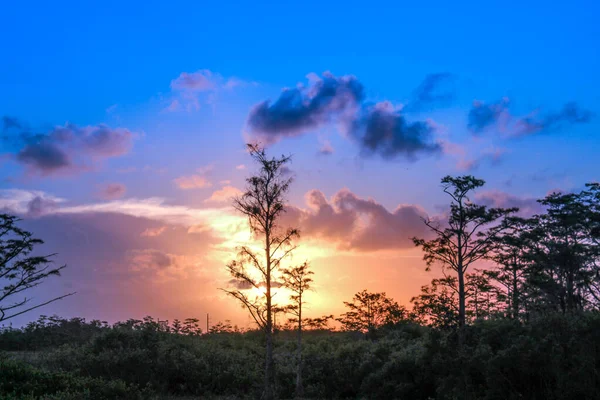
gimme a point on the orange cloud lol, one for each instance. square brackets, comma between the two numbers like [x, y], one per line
[196, 181]
[223, 195]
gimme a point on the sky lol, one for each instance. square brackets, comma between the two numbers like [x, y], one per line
[123, 132]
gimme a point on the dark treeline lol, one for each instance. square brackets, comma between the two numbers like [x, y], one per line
[513, 315]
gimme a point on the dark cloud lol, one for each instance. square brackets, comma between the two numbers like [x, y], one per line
[113, 191]
[384, 131]
[570, 114]
[149, 259]
[353, 223]
[496, 115]
[67, 148]
[483, 116]
[308, 107]
[434, 91]
[40, 206]
[41, 154]
[10, 123]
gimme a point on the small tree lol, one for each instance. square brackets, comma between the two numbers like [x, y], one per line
[468, 236]
[437, 305]
[263, 203]
[369, 311]
[19, 270]
[298, 280]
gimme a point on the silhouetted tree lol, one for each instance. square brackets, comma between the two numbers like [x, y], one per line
[369, 311]
[318, 323]
[298, 280]
[19, 270]
[437, 305]
[222, 327]
[510, 252]
[565, 253]
[468, 235]
[191, 326]
[263, 203]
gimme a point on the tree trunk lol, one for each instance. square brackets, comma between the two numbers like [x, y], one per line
[515, 294]
[570, 292]
[268, 394]
[269, 367]
[461, 306]
[299, 388]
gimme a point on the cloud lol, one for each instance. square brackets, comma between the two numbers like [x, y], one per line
[148, 259]
[113, 191]
[300, 109]
[433, 91]
[66, 149]
[188, 87]
[496, 115]
[40, 206]
[153, 232]
[10, 123]
[493, 156]
[379, 128]
[240, 167]
[326, 149]
[223, 195]
[197, 181]
[571, 114]
[192, 182]
[31, 203]
[528, 206]
[353, 223]
[384, 131]
[483, 116]
[199, 81]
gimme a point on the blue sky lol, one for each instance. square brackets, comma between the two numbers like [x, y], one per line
[107, 63]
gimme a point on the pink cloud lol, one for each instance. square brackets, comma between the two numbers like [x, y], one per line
[223, 195]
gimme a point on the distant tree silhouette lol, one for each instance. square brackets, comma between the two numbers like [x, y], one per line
[318, 323]
[437, 305]
[263, 203]
[19, 270]
[298, 280]
[369, 311]
[468, 235]
[565, 252]
[222, 327]
[510, 252]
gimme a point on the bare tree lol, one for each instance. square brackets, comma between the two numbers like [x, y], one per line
[468, 236]
[263, 203]
[298, 280]
[19, 270]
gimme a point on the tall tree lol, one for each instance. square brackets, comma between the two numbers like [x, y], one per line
[19, 270]
[369, 311]
[468, 235]
[263, 203]
[298, 280]
[511, 253]
[567, 252]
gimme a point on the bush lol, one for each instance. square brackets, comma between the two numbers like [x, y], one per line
[22, 381]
